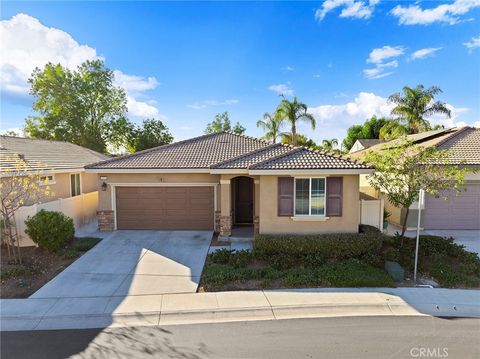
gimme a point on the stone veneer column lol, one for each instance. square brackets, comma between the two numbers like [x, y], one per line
[106, 220]
[225, 208]
[256, 225]
[218, 214]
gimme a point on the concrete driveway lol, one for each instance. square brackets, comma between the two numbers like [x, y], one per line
[134, 263]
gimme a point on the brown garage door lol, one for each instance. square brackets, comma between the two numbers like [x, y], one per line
[165, 207]
[458, 212]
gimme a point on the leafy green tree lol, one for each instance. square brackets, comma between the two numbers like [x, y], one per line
[391, 130]
[293, 112]
[152, 133]
[370, 129]
[328, 145]
[83, 106]
[402, 170]
[301, 141]
[415, 105]
[221, 122]
[271, 126]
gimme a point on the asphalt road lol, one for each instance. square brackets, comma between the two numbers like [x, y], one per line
[355, 337]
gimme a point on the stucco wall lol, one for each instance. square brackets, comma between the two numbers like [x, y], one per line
[271, 223]
[105, 196]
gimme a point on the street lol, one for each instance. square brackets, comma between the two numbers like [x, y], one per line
[342, 337]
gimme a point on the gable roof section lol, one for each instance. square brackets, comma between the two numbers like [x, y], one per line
[369, 142]
[226, 151]
[305, 159]
[196, 153]
[45, 155]
[251, 158]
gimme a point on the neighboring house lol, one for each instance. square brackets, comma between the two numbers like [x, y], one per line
[61, 164]
[362, 144]
[222, 180]
[459, 211]
[61, 167]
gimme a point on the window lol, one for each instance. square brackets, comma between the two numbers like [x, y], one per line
[309, 196]
[47, 180]
[75, 184]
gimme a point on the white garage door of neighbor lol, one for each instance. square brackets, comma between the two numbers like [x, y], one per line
[458, 212]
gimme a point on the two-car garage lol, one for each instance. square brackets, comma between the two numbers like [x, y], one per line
[460, 211]
[165, 207]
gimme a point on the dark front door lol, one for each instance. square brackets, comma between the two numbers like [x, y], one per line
[243, 200]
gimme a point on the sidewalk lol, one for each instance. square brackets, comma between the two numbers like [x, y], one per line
[167, 309]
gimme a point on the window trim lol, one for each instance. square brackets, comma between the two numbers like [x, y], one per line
[80, 183]
[47, 182]
[324, 215]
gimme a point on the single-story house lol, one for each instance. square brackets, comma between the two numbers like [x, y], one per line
[222, 180]
[364, 143]
[458, 211]
[60, 166]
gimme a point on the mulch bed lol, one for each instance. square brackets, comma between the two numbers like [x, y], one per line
[38, 268]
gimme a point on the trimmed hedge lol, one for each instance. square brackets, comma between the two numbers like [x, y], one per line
[50, 230]
[286, 251]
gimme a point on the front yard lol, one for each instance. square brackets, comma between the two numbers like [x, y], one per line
[39, 266]
[338, 260]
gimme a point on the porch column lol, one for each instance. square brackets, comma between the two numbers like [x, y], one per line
[225, 208]
[256, 204]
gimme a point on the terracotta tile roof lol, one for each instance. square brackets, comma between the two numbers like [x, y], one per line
[227, 150]
[46, 155]
[245, 161]
[463, 147]
[302, 158]
[198, 152]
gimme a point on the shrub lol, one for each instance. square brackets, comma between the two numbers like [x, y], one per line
[365, 228]
[286, 251]
[215, 276]
[84, 244]
[13, 271]
[50, 230]
[392, 254]
[237, 259]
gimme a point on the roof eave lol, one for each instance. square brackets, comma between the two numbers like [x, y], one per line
[147, 170]
[326, 171]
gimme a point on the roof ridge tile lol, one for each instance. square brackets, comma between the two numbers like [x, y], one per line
[233, 159]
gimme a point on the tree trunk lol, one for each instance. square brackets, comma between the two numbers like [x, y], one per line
[294, 134]
[404, 225]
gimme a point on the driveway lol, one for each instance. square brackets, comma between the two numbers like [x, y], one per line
[134, 263]
[470, 238]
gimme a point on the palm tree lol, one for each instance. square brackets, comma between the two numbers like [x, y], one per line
[271, 126]
[328, 145]
[293, 112]
[415, 104]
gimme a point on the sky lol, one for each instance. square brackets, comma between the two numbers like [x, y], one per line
[184, 62]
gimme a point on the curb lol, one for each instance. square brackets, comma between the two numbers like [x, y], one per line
[222, 315]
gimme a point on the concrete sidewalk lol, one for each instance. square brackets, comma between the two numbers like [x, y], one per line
[167, 309]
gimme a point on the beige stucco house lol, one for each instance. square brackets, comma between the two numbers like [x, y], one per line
[224, 180]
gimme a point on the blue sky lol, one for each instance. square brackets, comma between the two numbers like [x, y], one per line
[184, 62]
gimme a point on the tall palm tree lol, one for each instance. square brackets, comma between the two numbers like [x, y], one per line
[293, 112]
[328, 145]
[271, 126]
[415, 105]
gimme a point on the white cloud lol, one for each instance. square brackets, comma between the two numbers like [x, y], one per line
[378, 56]
[473, 43]
[27, 44]
[282, 89]
[135, 84]
[316, 76]
[288, 68]
[360, 9]
[423, 53]
[453, 121]
[446, 13]
[198, 105]
[16, 130]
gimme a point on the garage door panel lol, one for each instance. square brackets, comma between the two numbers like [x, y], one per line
[165, 207]
[457, 212]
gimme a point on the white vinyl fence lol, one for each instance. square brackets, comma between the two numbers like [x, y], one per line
[82, 209]
[371, 212]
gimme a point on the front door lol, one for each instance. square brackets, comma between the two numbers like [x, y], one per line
[243, 200]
